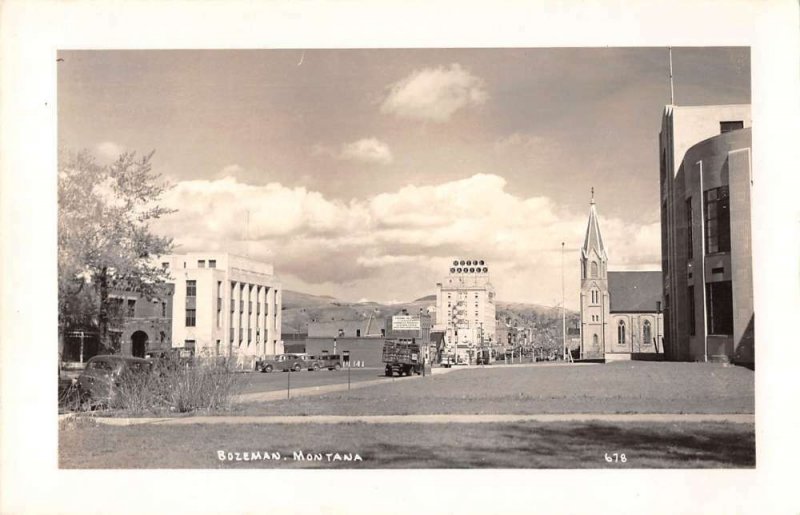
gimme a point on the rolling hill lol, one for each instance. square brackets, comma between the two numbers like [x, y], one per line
[301, 308]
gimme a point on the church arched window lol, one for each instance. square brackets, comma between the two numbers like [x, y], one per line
[594, 269]
[594, 340]
[621, 332]
[646, 333]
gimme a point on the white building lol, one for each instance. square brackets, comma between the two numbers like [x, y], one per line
[225, 305]
[465, 308]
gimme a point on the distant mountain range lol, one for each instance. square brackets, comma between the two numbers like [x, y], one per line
[301, 308]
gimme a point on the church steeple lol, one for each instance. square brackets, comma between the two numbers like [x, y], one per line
[593, 240]
[595, 305]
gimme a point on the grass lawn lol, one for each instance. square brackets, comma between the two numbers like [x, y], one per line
[625, 387]
[83, 444]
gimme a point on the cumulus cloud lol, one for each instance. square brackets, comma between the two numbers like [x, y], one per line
[434, 94]
[401, 243]
[108, 150]
[367, 150]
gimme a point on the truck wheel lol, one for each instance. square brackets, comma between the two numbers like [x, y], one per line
[337, 366]
[296, 368]
[267, 369]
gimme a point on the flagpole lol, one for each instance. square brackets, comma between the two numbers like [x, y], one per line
[671, 84]
[563, 309]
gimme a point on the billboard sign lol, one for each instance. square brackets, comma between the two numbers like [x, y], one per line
[405, 323]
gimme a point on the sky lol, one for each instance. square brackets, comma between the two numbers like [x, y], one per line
[362, 174]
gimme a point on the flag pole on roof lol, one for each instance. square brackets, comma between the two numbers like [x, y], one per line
[671, 84]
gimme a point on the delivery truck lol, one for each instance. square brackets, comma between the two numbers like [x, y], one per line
[402, 357]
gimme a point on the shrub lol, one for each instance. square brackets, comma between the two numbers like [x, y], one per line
[69, 398]
[178, 386]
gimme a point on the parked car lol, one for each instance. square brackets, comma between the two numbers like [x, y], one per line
[313, 363]
[281, 362]
[330, 361]
[447, 362]
[99, 382]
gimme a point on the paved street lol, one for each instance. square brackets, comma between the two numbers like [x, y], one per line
[276, 381]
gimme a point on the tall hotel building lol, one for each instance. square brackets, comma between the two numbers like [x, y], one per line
[706, 178]
[465, 308]
[224, 305]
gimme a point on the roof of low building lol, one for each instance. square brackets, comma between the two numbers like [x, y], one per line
[632, 292]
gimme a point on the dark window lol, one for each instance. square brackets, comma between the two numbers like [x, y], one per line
[165, 265]
[241, 334]
[190, 317]
[730, 126]
[692, 325]
[163, 310]
[232, 333]
[663, 165]
[191, 288]
[383, 333]
[212, 263]
[131, 308]
[594, 269]
[720, 307]
[358, 333]
[249, 307]
[718, 270]
[241, 306]
[201, 263]
[646, 333]
[233, 305]
[689, 232]
[249, 335]
[621, 332]
[189, 344]
[718, 220]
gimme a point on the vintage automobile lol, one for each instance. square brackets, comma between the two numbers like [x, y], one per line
[281, 362]
[330, 361]
[99, 382]
[312, 363]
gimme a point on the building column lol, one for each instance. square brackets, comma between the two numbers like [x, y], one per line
[278, 319]
[269, 326]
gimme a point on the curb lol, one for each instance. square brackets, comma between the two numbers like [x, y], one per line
[436, 419]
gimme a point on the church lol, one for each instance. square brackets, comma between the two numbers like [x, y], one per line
[621, 316]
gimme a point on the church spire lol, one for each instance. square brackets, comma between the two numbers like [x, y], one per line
[593, 238]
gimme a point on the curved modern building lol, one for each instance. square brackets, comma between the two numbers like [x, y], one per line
[706, 233]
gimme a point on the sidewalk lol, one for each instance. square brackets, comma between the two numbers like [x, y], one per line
[434, 419]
